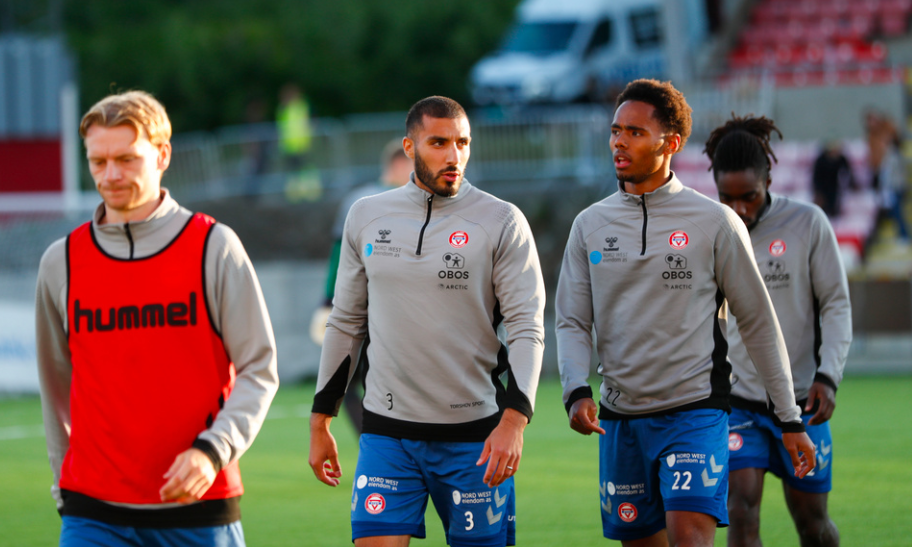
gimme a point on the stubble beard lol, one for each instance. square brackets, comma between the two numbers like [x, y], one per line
[436, 183]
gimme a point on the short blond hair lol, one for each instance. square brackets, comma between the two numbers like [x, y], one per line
[137, 109]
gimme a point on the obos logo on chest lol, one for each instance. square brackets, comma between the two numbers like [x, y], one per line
[455, 264]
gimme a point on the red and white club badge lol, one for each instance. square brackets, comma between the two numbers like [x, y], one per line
[375, 504]
[678, 239]
[627, 512]
[777, 247]
[735, 442]
[459, 239]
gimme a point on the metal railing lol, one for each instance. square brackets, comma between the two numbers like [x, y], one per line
[535, 145]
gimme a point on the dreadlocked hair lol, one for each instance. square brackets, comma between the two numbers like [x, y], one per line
[742, 143]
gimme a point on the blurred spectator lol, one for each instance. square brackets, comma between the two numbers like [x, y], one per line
[892, 191]
[295, 139]
[832, 175]
[880, 132]
[888, 171]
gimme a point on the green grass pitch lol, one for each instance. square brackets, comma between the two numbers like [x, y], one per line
[557, 483]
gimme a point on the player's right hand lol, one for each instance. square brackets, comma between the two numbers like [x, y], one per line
[324, 454]
[584, 417]
[801, 449]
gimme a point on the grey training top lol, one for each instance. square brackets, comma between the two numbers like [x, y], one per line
[798, 256]
[650, 273]
[428, 280]
[237, 309]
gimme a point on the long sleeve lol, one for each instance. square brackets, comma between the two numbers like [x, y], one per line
[741, 283]
[574, 315]
[54, 365]
[240, 315]
[345, 329]
[831, 291]
[520, 289]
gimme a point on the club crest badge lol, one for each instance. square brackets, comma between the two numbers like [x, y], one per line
[678, 239]
[627, 512]
[375, 504]
[777, 247]
[459, 239]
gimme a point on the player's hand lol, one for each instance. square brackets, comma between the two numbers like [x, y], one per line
[801, 449]
[503, 448]
[189, 477]
[584, 417]
[827, 397]
[324, 454]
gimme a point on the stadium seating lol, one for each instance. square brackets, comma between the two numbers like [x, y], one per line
[803, 42]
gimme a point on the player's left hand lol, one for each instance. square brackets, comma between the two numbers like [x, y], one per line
[189, 477]
[801, 449]
[503, 448]
[827, 397]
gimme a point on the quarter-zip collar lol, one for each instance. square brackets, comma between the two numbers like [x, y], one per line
[420, 196]
[644, 202]
[432, 202]
[660, 195]
[119, 240]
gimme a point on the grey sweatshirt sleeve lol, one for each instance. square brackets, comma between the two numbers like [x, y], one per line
[346, 327]
[831, 290]
[54, 365]
[573, 310]
[741, 283]
[239, 313]
[520, 289]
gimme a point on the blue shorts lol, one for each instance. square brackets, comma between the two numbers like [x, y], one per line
[675, 462]
[395, 476]
[755, 441]
[83, 532]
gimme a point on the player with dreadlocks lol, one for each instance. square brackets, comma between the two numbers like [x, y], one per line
[797, 254]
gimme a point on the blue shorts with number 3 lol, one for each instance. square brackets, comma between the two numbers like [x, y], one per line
[674, 462]
[394, 478]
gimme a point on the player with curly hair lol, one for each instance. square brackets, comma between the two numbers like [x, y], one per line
[650, 268]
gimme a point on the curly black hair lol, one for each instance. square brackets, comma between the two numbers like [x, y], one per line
[671, 108]
[742, 143]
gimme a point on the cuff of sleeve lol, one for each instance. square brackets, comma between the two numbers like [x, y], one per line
[209, 450]
[584, 392]
[525, 410]
[792, 427]
[824, 379]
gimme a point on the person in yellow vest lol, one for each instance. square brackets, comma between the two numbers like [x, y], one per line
[156, 356]
[295, 140]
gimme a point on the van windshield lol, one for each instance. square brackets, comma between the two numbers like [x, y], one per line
[540, 38]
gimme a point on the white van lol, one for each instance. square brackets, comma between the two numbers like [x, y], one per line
[567, 50]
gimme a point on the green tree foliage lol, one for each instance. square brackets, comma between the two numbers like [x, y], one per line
[207, 59]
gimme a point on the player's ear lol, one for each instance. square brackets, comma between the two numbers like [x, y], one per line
[672, 144]
[408, 146]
